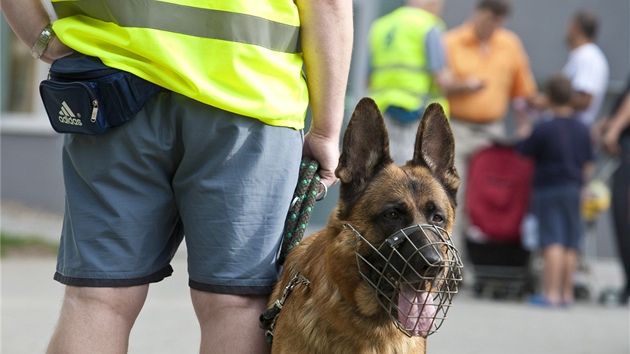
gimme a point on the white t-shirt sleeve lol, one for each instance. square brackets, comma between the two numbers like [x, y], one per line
[587, 71]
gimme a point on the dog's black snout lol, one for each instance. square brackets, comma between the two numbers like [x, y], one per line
[428, 258]
[413, 253]
[431, 261]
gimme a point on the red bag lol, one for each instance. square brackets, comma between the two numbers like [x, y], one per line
[498, 192]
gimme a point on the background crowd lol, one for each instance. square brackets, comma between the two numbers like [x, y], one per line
[482, 72]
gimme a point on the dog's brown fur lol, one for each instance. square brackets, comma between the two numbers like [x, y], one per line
[338, 312]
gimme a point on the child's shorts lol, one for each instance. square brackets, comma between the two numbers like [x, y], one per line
[557, 210]
[178, 168]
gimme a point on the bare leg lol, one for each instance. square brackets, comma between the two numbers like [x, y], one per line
[571, 262]
[229, 323]
[553, 272]
[97, 320]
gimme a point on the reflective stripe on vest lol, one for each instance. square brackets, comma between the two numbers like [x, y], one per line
[224, 56]
[206, 23]
[400, 76]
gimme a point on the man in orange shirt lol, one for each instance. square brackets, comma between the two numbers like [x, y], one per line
[482, 49]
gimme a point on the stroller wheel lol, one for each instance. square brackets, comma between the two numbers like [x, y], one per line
[581, 292]
[500, 294]
[478, 289]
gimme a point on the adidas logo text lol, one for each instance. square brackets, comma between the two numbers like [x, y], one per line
[66, 116]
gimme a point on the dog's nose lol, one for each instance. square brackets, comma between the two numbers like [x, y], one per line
[416, 253]
[431, 262]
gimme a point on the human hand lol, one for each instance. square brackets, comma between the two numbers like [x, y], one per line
[539, 101]
[326, 151]
[523, 125]
[597, 131]
[610, 141]
[474, 84]
[56, 50]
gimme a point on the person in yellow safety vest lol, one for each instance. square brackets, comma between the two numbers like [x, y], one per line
[408, 70]
[215, 155]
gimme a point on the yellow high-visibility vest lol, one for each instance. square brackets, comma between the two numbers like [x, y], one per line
[400, 76]
[240, 56]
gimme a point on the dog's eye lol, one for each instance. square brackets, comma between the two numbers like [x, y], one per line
[391, 215]
[437, 219]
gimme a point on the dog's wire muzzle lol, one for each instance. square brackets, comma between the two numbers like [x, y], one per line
[414, 274]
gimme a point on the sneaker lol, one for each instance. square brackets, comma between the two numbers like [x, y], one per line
[541, 301]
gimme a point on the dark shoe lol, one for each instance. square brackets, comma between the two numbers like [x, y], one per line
[610, 297]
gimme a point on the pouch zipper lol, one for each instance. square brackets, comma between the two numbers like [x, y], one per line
[94, 111]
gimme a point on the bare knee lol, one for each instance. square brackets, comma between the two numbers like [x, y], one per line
[97, 319]
[229, 323]
[209, 305]
[123, 304]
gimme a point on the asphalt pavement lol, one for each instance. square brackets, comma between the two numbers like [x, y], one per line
[31, 302]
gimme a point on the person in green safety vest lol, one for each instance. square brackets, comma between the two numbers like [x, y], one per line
[211, 159]
[408, 70]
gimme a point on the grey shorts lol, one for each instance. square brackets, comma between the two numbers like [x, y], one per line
[178, 168]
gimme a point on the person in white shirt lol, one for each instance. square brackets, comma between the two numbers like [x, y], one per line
[586, 67]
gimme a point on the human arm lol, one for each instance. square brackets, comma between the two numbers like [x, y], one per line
[539, 101]
[28, 18]
[588, 170]
[523, 126]
[529, 138]
[581, 100]
[615, 125]
[451, 85]
[326, 34]
[448, 82]
[523, 82]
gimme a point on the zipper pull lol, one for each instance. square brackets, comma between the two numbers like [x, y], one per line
[94, 111]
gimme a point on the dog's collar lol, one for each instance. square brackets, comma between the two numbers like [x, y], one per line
[267, 320]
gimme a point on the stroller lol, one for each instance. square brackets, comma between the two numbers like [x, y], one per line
[497, 200]
[597, 200]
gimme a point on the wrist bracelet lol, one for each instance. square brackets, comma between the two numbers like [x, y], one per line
[42, 42]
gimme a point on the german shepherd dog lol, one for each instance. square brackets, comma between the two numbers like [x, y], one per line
[382, 273]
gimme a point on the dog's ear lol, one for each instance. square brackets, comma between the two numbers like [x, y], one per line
[435, 147]
[365, 149]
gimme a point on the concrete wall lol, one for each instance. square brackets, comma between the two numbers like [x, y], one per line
[30, 167]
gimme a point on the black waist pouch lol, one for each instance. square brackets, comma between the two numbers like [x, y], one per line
[82, 95]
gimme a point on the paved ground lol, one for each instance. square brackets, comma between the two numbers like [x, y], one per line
[31, 302]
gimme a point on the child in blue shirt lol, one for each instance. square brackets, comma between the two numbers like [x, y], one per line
[563, 155]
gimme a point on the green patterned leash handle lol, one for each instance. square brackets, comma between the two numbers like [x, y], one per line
[301, 208]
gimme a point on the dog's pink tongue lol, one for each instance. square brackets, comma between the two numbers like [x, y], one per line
[416, 311]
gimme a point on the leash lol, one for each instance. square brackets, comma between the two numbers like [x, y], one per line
[301, 208]
[268, 318]
[304, 197]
